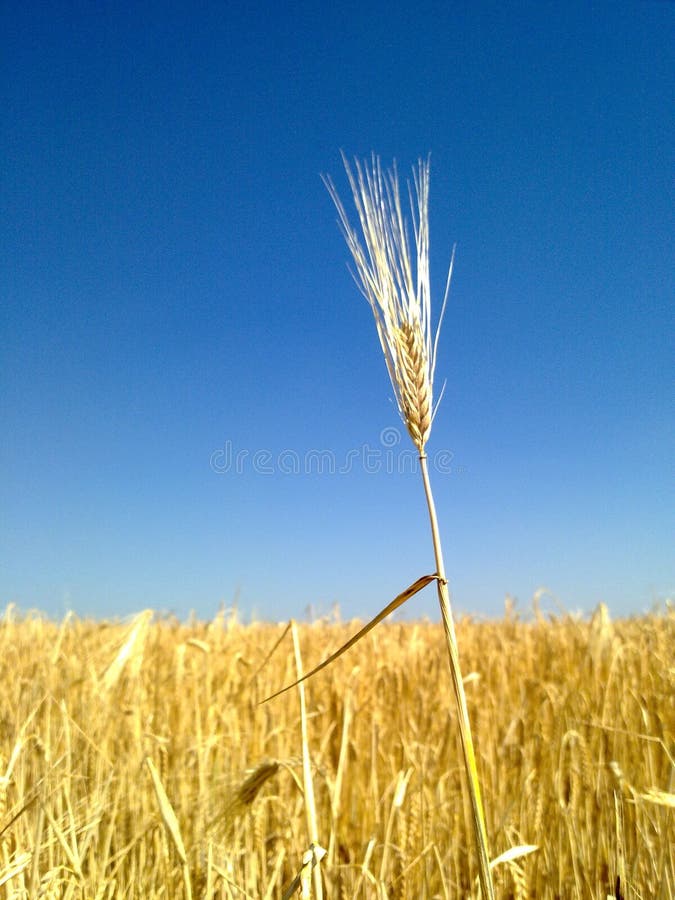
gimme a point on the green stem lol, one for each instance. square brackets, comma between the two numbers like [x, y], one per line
[480, 830]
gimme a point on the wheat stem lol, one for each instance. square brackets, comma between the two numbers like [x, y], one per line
[478, 814]
[310, 805]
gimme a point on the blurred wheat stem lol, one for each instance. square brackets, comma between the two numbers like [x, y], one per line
[396, 284]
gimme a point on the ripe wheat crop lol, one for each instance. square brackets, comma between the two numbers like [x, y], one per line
[136, 760]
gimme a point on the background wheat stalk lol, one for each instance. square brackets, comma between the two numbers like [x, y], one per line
[395, 281]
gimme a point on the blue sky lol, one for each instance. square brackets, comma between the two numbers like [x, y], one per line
[175, 295]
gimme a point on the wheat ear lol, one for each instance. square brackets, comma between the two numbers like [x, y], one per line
[396, 284]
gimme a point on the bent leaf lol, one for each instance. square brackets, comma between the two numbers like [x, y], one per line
[395, 603]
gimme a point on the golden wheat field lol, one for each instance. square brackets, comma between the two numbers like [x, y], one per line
[136, 760]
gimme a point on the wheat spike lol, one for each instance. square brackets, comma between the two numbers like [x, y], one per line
[395, 282]
[415, 388]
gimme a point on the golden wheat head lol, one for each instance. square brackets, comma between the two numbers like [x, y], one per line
[395, 281]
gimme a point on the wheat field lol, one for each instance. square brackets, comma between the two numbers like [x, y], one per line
[137, 761]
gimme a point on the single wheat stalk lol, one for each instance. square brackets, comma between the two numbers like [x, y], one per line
[171, 824]
[310, 870]
[395, 282]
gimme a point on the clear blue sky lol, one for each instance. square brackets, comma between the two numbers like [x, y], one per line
[174, 288]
